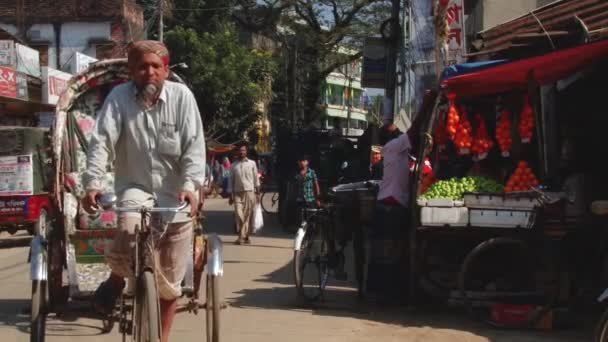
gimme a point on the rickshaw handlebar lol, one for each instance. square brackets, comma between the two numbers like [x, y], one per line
[151, 210]
[108, 202]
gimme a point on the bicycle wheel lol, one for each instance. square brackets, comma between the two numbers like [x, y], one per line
[310, 267]
[147, 313]
[270, 202]
[601, 332]
[38, 315]
[213, 308]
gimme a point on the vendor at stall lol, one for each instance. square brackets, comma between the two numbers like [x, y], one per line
[389, 230]
[394, 189]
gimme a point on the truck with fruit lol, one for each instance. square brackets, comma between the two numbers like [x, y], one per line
[488, 223]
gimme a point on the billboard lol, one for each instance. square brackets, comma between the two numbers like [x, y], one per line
[456, 38]
[16, 175]
[54, 83]
[374, 63]
[28, 60]
[8, 82]
[7, 53]
[81, 62]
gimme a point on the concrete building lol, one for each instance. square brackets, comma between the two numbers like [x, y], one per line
[343, 100]
[60, 28]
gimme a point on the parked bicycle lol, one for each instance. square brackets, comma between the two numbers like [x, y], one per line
[314, 253]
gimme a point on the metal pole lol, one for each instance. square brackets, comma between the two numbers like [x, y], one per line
[389, 103]
[161, 23]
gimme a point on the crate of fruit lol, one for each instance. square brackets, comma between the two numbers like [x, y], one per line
[513, 201]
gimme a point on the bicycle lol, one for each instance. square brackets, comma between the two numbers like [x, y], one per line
[139, 313]
[314, 245]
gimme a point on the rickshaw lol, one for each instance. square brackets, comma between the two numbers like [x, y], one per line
[75, 241]
[25, 179]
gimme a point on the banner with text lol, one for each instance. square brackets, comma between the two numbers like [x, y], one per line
[8, 82]
[54, 83]
[16, 176]
[28, 60]
[456, 38]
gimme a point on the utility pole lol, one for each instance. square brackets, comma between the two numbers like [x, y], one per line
[161, 24]
[393, 37]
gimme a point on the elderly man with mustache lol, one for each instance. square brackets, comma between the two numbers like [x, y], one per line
[151, 130]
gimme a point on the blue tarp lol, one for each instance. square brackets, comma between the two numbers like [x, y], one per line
[461, 69]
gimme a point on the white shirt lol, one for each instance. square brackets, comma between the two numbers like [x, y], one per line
[157, 152]
[396, 177]
[244, 176]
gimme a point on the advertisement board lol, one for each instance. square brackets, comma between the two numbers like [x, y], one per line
[7, 53]
[8, 82]
[28, 60]
[374, 63]
[12, 206]
[81, 62]
[21, 80]
[54, 83]
[16, 175]
[456, 37]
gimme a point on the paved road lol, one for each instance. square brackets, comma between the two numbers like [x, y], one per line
[258, 287]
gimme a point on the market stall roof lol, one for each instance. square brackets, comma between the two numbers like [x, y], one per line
[516, 75]
[556, 23]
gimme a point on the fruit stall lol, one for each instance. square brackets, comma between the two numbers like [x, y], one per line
[488, 219]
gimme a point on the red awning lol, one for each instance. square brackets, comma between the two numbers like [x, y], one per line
[545, 69]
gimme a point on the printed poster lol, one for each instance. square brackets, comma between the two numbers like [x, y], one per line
[16, 176]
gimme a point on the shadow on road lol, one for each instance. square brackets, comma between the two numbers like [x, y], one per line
[7, 241]
[221, 222]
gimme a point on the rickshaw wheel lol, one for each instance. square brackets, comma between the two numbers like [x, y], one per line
[38, 315]
[213, 307]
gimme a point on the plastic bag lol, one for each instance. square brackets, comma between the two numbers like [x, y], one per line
[258, 219]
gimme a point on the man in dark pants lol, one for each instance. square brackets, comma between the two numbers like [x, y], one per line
[389, 230]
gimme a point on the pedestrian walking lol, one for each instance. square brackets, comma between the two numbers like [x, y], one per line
[245, 186]
[226, 167]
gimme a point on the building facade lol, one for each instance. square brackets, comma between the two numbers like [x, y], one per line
[344, 100]
[59, 29]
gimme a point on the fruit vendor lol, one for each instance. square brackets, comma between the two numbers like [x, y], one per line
[394, 189]
[389, 230]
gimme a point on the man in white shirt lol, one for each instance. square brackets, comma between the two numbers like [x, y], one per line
[245, 186]
[150, 129]
[395, 186]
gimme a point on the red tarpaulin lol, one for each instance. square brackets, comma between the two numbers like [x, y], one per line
[545, 69]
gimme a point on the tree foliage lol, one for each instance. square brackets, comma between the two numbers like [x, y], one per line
[227, 79]
[318, 29]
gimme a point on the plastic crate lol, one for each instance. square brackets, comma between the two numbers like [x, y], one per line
[501, 218]
[520, 201]
[439, 217]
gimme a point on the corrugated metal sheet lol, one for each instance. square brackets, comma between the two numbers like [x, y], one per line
[556, 20]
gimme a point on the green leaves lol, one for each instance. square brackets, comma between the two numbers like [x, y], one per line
[227, 80]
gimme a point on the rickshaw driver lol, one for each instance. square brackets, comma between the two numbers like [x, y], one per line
[151, 129]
